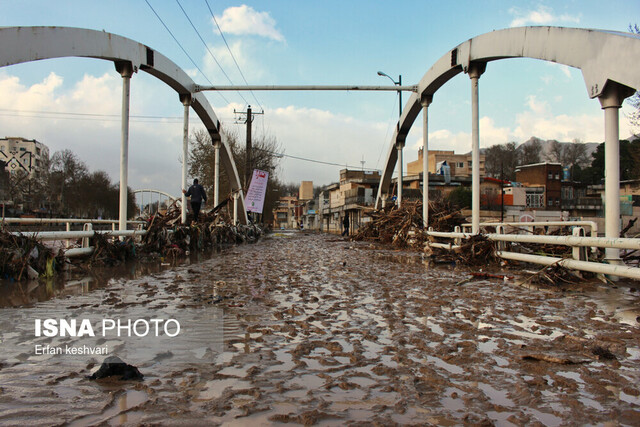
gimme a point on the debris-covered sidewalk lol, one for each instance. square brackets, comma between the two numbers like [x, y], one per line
[167, 239]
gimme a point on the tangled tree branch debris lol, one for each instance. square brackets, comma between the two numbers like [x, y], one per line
[23, 257]
[166, 238]
[402, 228]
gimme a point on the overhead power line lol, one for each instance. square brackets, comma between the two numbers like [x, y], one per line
[231, 53]
[208, 50]
[41, 114]
[183, 49]
[312, 160]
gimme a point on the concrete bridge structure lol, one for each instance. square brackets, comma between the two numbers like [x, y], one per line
[608, 64]
[26, 44]
[606, 59]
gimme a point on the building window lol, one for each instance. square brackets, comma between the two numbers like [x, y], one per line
[550, 175]
[550, 201]
[557, 176]
[23, 149]
[535, 200]
[37, 151]
[470, 164]
[557, 202]
[460, 165]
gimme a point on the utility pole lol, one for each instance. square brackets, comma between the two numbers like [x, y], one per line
[248, 169]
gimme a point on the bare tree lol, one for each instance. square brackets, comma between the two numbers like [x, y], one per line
[575, 154]
[265, 156]
[556, 152]
[530, 152]
[634, 101]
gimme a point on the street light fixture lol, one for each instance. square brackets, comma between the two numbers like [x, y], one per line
[398, 146]
[399, 83]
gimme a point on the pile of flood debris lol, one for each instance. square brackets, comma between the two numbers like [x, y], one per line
[167, 239]
[23, 257]
[402, 227]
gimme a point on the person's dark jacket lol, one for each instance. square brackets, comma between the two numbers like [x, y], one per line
[196, 191]
[345, 221]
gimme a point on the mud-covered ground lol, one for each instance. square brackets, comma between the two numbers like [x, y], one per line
[304, 328]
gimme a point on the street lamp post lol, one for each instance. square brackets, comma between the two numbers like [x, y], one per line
[399, 145]
[398, 83]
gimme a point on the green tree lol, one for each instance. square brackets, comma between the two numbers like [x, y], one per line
[629, 163]
[460, 197]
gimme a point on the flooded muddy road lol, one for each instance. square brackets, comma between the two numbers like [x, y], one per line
[313, 329]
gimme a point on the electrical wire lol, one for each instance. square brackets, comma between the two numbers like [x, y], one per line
[209, 50]
[312, 160]
[231, 53]
[6, 112]
[386, 135]
[184, 50]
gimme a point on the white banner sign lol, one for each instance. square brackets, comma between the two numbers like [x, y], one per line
[257, 190]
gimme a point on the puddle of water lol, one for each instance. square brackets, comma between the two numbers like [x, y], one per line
[214, 389]
[497, 397]
[446, 366]
[117, 413]
[453, 402]
[362, 381]
[307, 382]
[572, 376]
[591, 403]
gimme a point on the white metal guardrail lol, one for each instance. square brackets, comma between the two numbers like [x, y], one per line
[84, 235]
[68, 221]
[592, 225]
[578, 242]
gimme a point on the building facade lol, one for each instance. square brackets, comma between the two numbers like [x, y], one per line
[546, 175]
[459, 164]
[26, 155]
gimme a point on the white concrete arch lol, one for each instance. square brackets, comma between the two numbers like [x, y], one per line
[26, 44]
[162, 193]
[604, 57]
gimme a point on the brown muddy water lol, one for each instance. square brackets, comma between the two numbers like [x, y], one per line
[308, 328]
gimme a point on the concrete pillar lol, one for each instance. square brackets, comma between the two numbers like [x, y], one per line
[400, 147]
[611, 100]
[235, 207]
[216, 173]
[126, 71]
[425, 160]
[475, 71]
[186, 101]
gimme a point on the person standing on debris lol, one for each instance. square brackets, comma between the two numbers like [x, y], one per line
[198, 197]
[345, 225]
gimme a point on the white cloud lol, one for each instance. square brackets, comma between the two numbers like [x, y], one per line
[153, 147]
[244, 19]
[241, 52]
[460, 142]
[542, 16]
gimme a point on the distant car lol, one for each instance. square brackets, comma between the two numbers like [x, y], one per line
[282, 227]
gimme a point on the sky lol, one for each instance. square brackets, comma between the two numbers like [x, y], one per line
[290, 42]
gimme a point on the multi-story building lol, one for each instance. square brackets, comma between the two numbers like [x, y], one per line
[459, 164]
[306, 190]
[27, 155]
[546, 175]
[285, 214]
